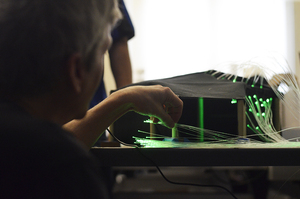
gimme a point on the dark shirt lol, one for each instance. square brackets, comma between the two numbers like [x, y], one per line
[125, 27]
[39, 159]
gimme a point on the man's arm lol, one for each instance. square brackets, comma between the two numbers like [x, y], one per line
[157, 101]
[120, 63]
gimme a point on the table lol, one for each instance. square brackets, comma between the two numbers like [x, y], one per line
[127, 156]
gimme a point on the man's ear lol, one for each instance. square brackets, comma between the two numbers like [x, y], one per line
[76, 72]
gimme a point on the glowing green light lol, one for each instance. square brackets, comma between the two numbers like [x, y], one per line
[250, 110]
[151, 122]
[258, 114]
[234, 81]
[201, 118]
[260, 99]
[261, 87]
[257, 128]
[233, 101]
[254, 96]
[265, 103]
[251, 128]
[252, 85]
[175, 132]
[263, 114]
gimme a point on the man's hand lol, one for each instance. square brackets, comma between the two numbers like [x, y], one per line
[156, 101]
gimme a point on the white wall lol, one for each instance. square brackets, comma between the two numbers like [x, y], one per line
[175, 37]
[297, 35]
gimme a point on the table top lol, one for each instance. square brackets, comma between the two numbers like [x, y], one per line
[129, 156]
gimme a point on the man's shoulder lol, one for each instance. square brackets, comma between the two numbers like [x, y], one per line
[17, 126]
[40, 156]
[27, 137]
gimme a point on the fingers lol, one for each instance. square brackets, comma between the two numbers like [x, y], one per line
[175, 113]
[174, 106]
[161, 114]
[157, 101]
[171, 108]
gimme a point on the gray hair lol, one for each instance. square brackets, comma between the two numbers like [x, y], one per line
[38, 36]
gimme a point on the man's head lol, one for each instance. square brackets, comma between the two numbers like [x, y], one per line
[38, 37]
[51, 53]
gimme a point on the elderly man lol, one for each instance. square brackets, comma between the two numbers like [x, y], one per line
[51, 62]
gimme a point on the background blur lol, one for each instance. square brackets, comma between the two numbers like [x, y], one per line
[176, 37]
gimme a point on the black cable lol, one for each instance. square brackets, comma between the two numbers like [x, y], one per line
[185, 184]
[159, 170]
[126, 144]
